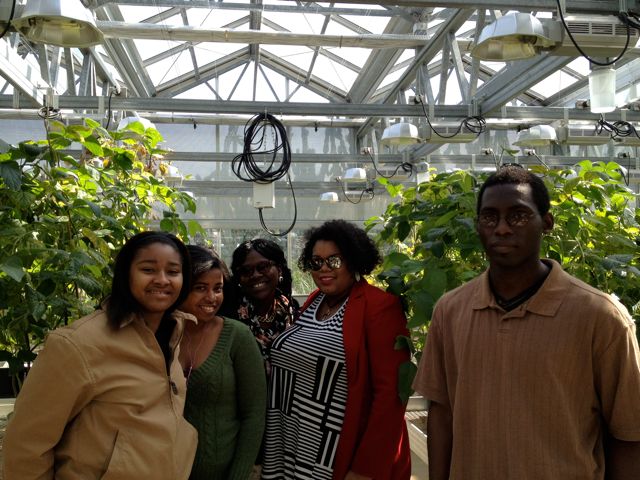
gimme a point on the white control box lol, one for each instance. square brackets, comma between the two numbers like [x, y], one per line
[264, 195]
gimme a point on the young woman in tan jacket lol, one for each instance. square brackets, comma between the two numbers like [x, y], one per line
[104, 398]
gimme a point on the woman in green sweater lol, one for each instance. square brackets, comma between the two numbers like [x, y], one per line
[226, 387]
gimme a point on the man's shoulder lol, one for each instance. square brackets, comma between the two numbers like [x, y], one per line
[581, 292]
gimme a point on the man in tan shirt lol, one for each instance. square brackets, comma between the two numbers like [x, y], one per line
[531, 373]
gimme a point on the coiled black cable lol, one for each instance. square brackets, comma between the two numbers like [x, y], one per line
[368, 190]
[405, 166]
[246, 168]
[475, 124]
[618, 129]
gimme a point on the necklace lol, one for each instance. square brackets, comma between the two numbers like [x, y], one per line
[331, 308]
[269, 316]
[193, 354]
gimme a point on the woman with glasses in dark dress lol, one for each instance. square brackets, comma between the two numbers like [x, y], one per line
[333, 408]
[260, 291]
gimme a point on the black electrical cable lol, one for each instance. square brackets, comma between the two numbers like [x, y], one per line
[13, 11]
[475, 124]
[369, 190]
[627, 178]
[109, 109]
[405, 166]
[48, 113]
[582, 52]
[618, 129]
[295, 215]
[247, 168]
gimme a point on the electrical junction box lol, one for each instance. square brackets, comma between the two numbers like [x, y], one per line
[264, 195]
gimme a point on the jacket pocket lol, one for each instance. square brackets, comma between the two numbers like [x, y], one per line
[117, 466]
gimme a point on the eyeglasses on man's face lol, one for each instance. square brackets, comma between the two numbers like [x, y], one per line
[519, 218]
[333, 262]
[261, 268]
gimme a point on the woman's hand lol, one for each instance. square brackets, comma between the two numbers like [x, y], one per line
[354, 476]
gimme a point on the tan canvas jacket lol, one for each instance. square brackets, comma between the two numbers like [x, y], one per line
[98, 404]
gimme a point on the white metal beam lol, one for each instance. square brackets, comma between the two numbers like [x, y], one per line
[24, 76]
[124, 30]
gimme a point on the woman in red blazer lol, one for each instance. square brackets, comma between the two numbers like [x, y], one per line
[333, 410]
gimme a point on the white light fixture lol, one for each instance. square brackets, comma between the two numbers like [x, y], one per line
[450, 134]
[122, 124]
[582, 135]
[514, 36]
[602, 89]
[399, 134]
[355, 175]
[65, 23]
[329, 197]
[536, 136]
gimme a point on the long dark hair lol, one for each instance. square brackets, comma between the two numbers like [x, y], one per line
[121, 303]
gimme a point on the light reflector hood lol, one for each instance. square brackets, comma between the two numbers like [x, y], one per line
[65, 23]
[514, 36]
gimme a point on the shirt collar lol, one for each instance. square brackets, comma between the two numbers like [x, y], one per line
[179, 316]
[546, 301]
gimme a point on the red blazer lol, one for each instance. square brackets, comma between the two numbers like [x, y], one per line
[374, 440]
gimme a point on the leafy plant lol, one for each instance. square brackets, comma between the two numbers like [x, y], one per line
[430, 243]
[62, 219]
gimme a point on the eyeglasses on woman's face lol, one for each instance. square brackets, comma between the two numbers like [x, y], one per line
[261, 268]
[519, 218]
[333, 262]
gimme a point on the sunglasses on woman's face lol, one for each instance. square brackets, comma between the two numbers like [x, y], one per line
[333, 262]
[261, 268]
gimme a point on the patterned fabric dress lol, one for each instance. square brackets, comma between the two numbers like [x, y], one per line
[282, 315]
[306, 399]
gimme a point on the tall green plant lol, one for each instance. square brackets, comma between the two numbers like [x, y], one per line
[431, 246]
[62, 219]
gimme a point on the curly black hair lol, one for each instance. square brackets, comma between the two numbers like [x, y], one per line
[515, 174]
[358, 250]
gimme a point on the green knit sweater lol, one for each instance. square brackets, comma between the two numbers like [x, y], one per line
[226, 402]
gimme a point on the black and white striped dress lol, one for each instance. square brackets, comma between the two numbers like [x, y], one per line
[307, 398]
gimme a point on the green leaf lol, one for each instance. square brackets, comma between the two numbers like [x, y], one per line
[47, 287]
[92, 144]
[406, 373]
[79, 132]
[153, 137]
[573, 225]
[403, 342]
[435, 282]
[30, 150]
[11, 174]
[404, 228]
[167, 225]
[89, 122]
[12, 266]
